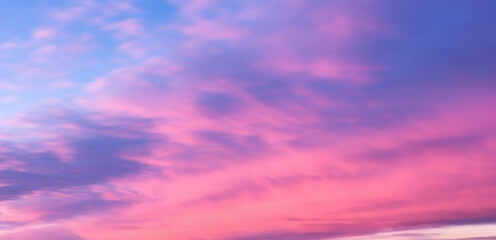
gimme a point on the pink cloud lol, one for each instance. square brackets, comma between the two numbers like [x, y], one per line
[44, 33]
[45, 50]
[8, 99]
[126, 28]
[133, 49]
[213, 30]
[193, 7]
[394, 177]
[46, 233]
[9, 45]
[304, 120]
[93, 11]
[73, 13]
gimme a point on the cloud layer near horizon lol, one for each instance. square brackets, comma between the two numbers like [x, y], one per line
[246, 120]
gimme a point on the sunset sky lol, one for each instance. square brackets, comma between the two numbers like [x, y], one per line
[247, 119]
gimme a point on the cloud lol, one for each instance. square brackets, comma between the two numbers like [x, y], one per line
[44, 33]
[92, 11]
[126, 28]
[95, 155]
[42, 234]
[303, 120]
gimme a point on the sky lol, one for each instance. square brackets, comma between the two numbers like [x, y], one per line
[247, 120]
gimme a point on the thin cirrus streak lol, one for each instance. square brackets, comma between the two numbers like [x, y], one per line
[247, 120]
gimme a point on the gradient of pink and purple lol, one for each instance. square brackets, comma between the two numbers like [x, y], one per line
[247, 119]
